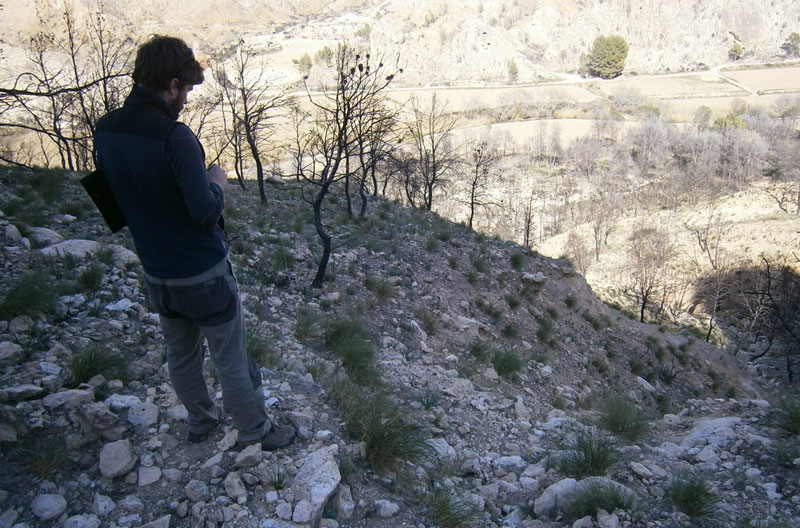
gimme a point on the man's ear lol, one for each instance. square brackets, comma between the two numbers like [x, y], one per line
[174, 87]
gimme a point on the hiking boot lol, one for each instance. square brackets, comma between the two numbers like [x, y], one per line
[196, 438]
[275, 438]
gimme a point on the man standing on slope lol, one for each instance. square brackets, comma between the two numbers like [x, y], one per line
[155, 167]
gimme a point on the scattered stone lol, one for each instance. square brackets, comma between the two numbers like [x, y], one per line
[161, 522]
[23, 392]
[553, 498]
[103, 505]
[144, 413]
[250, 456]
[116, 458]
[68, 399]
[234, 488]
[302, 512]
[44, 236]
[10, 353]
[386, 508]
[318, 478]
[48, 506]
[83, 520]
[148, 475]
[345, 506]
[7, 433]
[196, 491]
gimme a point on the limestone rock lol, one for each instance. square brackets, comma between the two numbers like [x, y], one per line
[68, 399]
[98, 420]
[84, 520]
[26, 391]
[303, 511]
[44, 236]
[196, 491]
[345, 506]
[318, 478]
[7, 433]
[117, 458]
[48, 506]
[386, 508]
[148, 475]
[10, 353]
[103, 505]
[12, 233]
[234, 487]
[161, 522]
[81, 248]
[144, 413]
[554, 497]
[250, 456]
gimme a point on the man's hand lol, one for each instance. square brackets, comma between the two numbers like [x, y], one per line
[218, 176]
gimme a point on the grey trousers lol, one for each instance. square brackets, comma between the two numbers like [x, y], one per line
[207, 307]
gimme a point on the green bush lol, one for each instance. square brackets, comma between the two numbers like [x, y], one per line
[792, 45]
[607, 56]
[381, 288]
[517, 260]
[507, 363]
[692, 495]
[587, 454]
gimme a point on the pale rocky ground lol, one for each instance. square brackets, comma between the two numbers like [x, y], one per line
[131, 465]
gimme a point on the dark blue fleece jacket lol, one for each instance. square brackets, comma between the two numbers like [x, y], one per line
[156, 169]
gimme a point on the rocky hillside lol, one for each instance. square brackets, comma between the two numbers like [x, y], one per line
[477, 42]
[440, 378]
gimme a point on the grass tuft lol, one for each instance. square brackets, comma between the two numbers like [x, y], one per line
[622, 418]
[507, 363]
[517, 260]
[590, 497]
[94, 360]
[378, 421]
[349, 340]
[692, 495]
[587, 454]
[428, 319]
[261, 350]
[480, 350]
[447, 510]
[382, 289]
[787, 414]
[33, 294]
[91, 277]
[42, 453]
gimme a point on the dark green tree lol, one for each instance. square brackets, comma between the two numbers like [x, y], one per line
[792, 45]
[607, 57]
